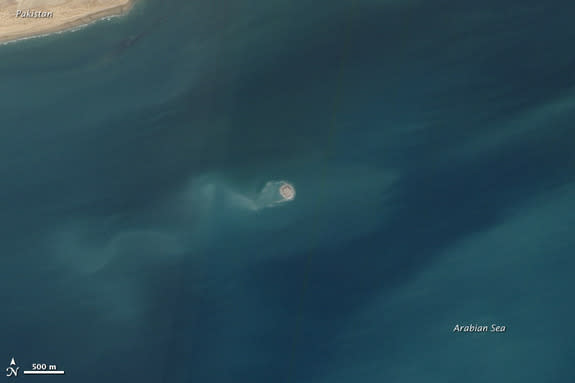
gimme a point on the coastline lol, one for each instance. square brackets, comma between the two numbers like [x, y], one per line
[71, 22]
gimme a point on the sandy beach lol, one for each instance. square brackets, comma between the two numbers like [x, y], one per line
[26, 18]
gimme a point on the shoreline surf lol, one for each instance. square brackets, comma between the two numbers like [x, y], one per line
[13, 32]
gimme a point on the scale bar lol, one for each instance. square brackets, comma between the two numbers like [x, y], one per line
[47, 372]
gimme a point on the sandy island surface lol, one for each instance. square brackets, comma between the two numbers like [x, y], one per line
[25, 18]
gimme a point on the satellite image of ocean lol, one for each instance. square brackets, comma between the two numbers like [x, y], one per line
[358, 191]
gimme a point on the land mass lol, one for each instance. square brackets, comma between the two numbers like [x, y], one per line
[27, 18]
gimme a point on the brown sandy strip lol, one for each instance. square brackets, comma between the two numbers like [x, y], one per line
[11, 31]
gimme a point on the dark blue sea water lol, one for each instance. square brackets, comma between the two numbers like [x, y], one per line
[431, 145]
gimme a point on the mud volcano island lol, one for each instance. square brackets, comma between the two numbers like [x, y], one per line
[287, 191]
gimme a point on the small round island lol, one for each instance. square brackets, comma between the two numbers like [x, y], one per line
[287, 191]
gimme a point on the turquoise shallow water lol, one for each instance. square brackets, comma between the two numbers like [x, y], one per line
[430, 147]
